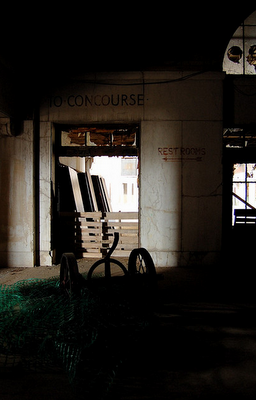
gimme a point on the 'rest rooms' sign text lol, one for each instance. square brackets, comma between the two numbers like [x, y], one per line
[97, 100]
[174, 154]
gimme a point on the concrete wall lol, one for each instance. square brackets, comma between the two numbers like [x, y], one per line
[181, 150]
[181, 196]
[16, 201]
[180, 162]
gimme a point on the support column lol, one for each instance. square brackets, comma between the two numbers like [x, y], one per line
[16, 200]
[45, 174]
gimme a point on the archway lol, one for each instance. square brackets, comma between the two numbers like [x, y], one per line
[240, 55]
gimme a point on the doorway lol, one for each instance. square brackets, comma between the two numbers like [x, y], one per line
[97, 173]
[239, 194]
[243, 189]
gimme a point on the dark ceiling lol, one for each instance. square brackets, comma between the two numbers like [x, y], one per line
[40, 47]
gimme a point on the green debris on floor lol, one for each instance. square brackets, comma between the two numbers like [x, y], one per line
[88, 335]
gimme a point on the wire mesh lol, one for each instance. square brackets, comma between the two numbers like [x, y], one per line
[88, 335]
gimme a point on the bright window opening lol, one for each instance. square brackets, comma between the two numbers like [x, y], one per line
[243, 187]
[240, 54]
[121, 179]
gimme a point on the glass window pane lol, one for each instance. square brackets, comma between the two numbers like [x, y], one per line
[243, 187]
[239, 173]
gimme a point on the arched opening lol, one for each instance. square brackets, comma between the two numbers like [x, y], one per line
[240, 55]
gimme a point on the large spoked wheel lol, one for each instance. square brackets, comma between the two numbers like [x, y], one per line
[141, 263]
[108, 267]
[69, 275]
